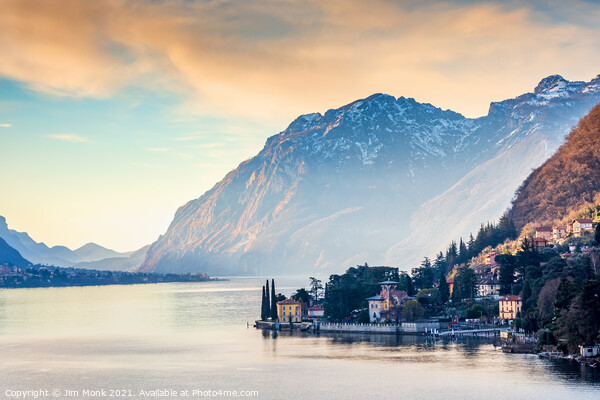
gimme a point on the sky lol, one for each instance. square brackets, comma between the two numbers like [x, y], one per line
[114, 113]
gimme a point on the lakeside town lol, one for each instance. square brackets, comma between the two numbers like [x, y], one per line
[495, 293]
[31, 276]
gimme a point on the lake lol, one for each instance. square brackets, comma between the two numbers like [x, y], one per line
[168, 338]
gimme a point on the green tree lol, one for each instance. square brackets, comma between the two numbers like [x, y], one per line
[263, 306]
[580, 325]
[525, 297]
[428, 297]
[267, 302]
[476, 311]
[444, 289]
[597, 234]
[316, 285]
[405, 283]
[413, 310]
[440, 264]
[464, 284]
[347, 292]
[273, 301]
[279, 297]
[423, 276]
[363, 317]
[452, 254]
[507, 272]
[301, 295]
[463, 253]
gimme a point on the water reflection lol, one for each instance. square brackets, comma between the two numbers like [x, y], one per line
[177, 335]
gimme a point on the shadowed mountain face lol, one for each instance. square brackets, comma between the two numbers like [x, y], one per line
[372, 181]
[10, 256]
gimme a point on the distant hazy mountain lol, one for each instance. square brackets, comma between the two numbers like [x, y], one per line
[565, 182]
[123, 263]
[382, 180]
[10, 256]
[39, 253]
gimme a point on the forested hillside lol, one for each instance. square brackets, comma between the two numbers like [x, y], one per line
[569, 180]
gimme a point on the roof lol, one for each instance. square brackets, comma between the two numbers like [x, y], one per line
[583, 220]
[510, 297]
[487, 281]
[560, 227]
[288, 301]
[315, 308]
[388, 283]
[543, 229]
[378, 297]
[539, 240]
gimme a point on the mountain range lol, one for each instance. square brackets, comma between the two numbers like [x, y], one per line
[90, 255]
[385, 180]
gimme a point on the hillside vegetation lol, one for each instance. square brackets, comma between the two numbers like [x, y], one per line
[569, 180]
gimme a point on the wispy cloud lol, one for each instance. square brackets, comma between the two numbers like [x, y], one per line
[157, 149]
[69, 137]
[5, 125]
[189, 137]
[268, 59]
[212, 145]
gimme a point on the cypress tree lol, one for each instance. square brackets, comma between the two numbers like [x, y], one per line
[597, 235]
[444, 288]
[263, 308]
[267, 302]
[273, 301]
[525, 296]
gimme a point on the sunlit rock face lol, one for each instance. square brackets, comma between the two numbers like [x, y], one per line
[380, 180]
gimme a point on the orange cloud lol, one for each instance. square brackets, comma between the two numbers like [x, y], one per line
[272, 60]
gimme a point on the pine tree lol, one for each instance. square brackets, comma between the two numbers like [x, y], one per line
[273, 301]
[267, 302]
[440, 264]
[444, 289]
[525, 296]
[597, 235]
[451, 254]
[463, 255]
[507, 272]
[470, 246]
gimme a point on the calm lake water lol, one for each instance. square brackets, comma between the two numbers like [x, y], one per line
[193, 336]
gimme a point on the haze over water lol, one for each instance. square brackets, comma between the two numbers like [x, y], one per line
[194, 336]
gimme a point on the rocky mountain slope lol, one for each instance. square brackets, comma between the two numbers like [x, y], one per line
[341, 188]
[567, 181]
[39, 253]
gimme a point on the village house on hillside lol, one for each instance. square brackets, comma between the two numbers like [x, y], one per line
[544, 232]
[539, 243]
[382, 304]
[487, 287]
[559, 233]
[581, 225]
[509, 307]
